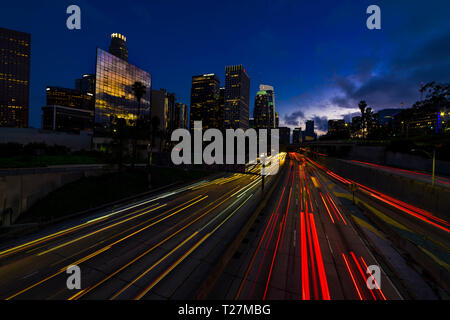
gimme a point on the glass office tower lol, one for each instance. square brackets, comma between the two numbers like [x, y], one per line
[114, 96]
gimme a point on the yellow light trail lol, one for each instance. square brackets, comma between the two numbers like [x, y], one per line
[83, 292]
[174, 265]
[103, 249]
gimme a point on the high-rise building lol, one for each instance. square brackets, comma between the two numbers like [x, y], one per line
[206, 101]
[251, 123]
[15, 51]
[118, 46]
[336, 126]
[181, 116]
[114, 97]
[262, 114]
[277, 120]
[309, 128]
[163, 107]
[285, 135]
[297, 136]
[86, 84]
[271, 102]
[237, 98]
[68, 110]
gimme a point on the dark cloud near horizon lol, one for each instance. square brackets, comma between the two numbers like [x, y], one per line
[400, 80]
[321, 123]
[293, 118]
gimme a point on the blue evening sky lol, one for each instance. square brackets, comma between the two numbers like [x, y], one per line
[319, 55]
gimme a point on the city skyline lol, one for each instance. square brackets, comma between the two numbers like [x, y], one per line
[222, 158]
[313, 87]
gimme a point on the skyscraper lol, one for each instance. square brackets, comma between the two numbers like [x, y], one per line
[206, 104]
[15, 50]
[309, 128]
[118, 46]
[163, 107]
[271, 103]
[297, 136]
[261, 114]
[285, 135]
[181, 116]
[114, 96]
[86, 84]
[237, 98]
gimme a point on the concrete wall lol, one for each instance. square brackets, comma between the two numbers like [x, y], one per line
[75, 142]
[21, 188]
[380, 155]
[420, 194]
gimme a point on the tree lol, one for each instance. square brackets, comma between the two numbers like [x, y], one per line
[139, 90]
[362, 106]
[120, 133]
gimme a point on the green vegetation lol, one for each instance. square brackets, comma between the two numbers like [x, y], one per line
[14, 155]
[92, 192]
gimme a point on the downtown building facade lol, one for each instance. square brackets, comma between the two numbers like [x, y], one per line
[86, 84]
[237, 98]
[285, 136]
[15, 57]
[264, 113]
[114, 97]
[68, 110]
[273, 116]
[207, 101]
[180, 119]
[261, 114]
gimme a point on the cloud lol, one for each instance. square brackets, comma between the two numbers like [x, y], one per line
[321, 123]
[293, 118]
[399, 80]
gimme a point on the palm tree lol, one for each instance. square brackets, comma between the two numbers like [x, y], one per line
[139, 90]
[154, 131]
[362, 106]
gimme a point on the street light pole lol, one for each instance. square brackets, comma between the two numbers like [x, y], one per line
[434, 167]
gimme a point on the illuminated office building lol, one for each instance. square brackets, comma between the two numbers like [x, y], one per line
[118, 46]
[263, 117]
[114, 96]
[15, 50]
[237, 98]
[69, 98]
[271, 103]
[205, 102]
[68, 110]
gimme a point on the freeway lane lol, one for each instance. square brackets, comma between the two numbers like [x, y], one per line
[306, 248]
[132, 252]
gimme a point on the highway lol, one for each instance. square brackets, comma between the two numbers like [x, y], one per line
[306, 248]
[156, 248]
[305, 244]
